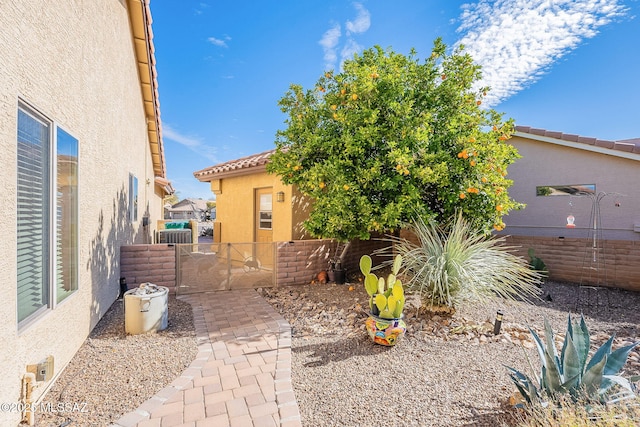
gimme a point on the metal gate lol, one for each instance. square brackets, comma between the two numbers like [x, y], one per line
[224, 266]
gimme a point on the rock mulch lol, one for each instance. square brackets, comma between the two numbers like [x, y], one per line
[446, 371]
[113, 373]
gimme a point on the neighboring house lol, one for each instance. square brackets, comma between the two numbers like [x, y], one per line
[558, 164]
[252, 205]
[83, 170]
[188, 209]
[560, 176]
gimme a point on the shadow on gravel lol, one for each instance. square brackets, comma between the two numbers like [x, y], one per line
[337, 351]
[615, 306]
[505, 417]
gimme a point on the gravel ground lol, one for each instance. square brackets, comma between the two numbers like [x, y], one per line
[113, 373]
[444, 372]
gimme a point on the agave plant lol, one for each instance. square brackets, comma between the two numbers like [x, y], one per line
[454, 263]
[572, 373]
[386, 298]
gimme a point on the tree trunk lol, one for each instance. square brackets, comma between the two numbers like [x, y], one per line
[343, 254]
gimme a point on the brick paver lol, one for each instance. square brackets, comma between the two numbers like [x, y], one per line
[241, 375]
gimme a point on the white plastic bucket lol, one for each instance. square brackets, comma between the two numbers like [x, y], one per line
[146, 309]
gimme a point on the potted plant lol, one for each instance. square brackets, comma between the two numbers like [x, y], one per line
[336, 273]
[386, 301]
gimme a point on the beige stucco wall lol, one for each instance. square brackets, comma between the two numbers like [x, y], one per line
[301, 207]
[235, 204]
[544, 163]
[74, 62]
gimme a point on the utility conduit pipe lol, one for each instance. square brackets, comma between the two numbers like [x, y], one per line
[28, 384]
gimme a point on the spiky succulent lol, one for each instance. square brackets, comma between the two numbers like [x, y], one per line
[572, 373]
[386, 298]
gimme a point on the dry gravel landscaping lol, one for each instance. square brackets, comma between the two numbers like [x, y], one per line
[444, 372]
[113, 373]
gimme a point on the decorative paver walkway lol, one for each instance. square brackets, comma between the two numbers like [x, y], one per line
[241, 375]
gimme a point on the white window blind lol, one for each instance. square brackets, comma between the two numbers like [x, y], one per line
[47, 214]
[32, 213]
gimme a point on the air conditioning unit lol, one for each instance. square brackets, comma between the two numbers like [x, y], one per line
[174, 236]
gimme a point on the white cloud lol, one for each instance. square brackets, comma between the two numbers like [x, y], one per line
[200, 9]
[516, 41]
[349, 49]
[331, 39]
[195, 144]
[362, 21]
[219, 42]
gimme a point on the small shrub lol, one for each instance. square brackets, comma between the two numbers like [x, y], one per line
[455, 264]
[537, 264]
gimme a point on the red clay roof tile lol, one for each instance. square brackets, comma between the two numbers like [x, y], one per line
[627, 145]
[253, 161]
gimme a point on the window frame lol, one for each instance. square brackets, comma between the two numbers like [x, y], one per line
[267, 212]
[56, 160]
[52, 259]
[133, 198]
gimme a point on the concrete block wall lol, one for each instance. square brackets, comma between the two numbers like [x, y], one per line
[364, 247]
[149, 263]
[565, 258]
[299, 261]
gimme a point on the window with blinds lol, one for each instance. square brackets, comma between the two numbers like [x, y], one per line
[33, 213]
[133, 198]
[47, 226]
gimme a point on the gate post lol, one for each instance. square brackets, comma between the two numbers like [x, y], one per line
[229, 265]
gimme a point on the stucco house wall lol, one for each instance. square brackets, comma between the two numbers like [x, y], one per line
[556, 159]
[75, 64]
[551, 162]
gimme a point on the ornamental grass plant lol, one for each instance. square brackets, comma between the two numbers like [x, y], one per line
[567, 412]
[453, 264]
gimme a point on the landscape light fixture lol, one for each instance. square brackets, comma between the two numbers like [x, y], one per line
[280, 196]
[498, 323]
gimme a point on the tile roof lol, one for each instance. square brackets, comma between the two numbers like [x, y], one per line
[251, 163]
[141, 22]
[235, 167]
[626, 145]
[189, 205]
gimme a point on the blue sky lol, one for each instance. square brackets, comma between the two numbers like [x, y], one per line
[569, 66]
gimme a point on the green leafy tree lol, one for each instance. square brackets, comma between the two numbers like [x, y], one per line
[390, 138]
